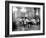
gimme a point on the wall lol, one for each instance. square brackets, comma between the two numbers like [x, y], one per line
[2, 19]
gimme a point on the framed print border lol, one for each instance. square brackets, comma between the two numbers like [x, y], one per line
[7, 18]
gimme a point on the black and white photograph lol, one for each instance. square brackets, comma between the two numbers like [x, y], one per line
[25, 18]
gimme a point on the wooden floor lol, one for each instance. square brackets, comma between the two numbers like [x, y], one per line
[32, 27]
